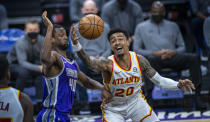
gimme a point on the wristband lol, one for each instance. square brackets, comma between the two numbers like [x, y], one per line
[76, 47]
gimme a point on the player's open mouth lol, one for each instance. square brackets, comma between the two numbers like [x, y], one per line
[119, 49]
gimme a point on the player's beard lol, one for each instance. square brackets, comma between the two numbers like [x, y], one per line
[64, 47]
[120, 55]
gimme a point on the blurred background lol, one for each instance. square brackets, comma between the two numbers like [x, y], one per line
[191, 16]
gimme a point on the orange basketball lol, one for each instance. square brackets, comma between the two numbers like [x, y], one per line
[91, 26]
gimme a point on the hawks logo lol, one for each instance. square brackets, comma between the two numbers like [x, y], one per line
[135, 69]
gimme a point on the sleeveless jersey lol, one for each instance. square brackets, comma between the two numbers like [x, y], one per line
[59, 90]
[10, 106]
[125, 84]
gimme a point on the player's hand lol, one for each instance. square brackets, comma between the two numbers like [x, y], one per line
[186, 85]
[106, 96]
[73, 34]
[40, 68]
[46, 21]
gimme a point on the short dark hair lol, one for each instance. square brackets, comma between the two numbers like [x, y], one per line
[32, 21]
[4, 67]
[54, 27]
[117, 30]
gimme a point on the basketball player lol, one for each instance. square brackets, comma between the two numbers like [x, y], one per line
[60, 75]
[122, 74]
[15, 106]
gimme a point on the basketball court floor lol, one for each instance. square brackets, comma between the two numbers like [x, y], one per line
[193, 116]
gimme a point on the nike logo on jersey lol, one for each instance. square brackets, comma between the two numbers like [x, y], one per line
[117, 72]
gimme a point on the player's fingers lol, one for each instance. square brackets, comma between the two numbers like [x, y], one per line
[192, 86]
[44, 13]
[188, 81]
[72, 29]
[77, 38]
[189, 89]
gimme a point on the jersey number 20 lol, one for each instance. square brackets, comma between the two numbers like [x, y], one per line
[124, 92]
[5, 119]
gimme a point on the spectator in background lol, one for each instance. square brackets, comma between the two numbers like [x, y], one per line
[201, 10]
[26, 52]
[206, 30]
[76, 5]
[125, 14]
[162, 43]
[3, 18]
[99, 47]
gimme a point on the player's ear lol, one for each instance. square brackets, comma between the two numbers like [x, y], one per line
[96, 10]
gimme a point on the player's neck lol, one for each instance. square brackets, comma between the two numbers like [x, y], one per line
[123, 59]
[3, 83]
[61, 52]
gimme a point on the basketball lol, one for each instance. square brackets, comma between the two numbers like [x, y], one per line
[91, 26]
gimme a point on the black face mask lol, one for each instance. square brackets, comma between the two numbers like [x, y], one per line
[157, 18]
[122, 4]
[33, 35]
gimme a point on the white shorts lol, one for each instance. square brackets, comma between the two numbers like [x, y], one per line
[136, 109]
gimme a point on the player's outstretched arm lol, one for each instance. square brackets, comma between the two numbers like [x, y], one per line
[163, 82]
[96, 64]
[46, 54]
[89, 83]
[27, 108]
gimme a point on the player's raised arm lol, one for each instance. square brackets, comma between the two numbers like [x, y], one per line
[163, 82]
[96, 64]
[46, 55]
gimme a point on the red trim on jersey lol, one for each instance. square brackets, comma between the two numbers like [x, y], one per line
[19, 94]
[5, 87]
[122, 67]
[103, 113]
[150, 112]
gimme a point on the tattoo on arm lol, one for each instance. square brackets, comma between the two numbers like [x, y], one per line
[94, 63]
[146, 67]
[87, 82]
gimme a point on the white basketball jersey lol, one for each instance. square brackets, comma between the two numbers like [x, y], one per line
[10, 106]
[125, 84]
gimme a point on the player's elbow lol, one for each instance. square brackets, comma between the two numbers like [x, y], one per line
[45, 56]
